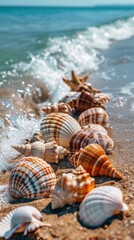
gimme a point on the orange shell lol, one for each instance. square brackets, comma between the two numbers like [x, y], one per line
[71, 187]
[95, 162]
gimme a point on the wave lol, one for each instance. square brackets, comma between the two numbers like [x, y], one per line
[81, 52]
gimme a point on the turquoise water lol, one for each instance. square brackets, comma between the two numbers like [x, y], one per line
[41, 45]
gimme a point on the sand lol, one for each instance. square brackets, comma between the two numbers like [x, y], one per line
[64, 222]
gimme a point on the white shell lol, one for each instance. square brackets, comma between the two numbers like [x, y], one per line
[59, 127]
[22, 219]
[101, 204]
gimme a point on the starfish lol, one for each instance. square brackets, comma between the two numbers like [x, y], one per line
[75, 80]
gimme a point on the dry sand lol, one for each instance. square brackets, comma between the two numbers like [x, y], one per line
[65, 224]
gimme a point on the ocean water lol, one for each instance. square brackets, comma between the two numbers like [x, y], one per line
[42, 45]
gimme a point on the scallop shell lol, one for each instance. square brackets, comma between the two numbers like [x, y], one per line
[95, 162]
[101, 204]
[22, 219]
[88, 136]
[31, 178]
[94, 115]
[83, 101]
[59, 127]
[60, 107]
[71, 188]
[96, 127]
[50, 151]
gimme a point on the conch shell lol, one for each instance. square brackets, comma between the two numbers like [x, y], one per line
[101, 204]
[71, 188]
[22, 219]
[30, 178]
[83, 101]
[94, 115]
[95, 162]
[60, 107]
[50, 151]
[59, 127]
[88, 136]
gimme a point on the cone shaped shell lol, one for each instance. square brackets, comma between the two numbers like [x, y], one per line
[88, 136]
[71, 188]
[82, 101]
[60, 107]
[94, 115]
[50, 151]
[59, 127]
[95, 162]
[100, 204]
[31, 178]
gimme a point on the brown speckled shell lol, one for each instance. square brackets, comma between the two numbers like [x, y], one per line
[95, 162]
[88, 136]
[94, 115]
[71, 187]
[31, 178]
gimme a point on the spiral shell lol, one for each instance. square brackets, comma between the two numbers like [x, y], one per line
[59, 127]
[71, 188]
[60, 107]
[31, 178]
[102, 97]
[83, 101]
[88, 88]
[88, 136]
[95, 162]
[22, 219]
[50, 151]
[101, 204]
[94, 115]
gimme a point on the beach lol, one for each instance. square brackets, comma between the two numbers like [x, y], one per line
[114, 76]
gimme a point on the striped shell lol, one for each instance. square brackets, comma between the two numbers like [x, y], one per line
[96, 127]
[88, 136]
[95, 162]
[94, 115]
[101, 204]
[59, 127]
[83, 101]
[88, 88]
[102, 97]
[60, 107]
[71, 188]
[31, 178]
[50, 151]
[22, 219]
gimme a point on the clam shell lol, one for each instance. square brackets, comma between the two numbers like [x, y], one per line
[71, 188]
[31, 178]
[96, 127]
[95, 162]
[94, 115]
[88, 136]
[50, 151]
[101, 204]
[22, 219]
[60, 107]
[59, 127]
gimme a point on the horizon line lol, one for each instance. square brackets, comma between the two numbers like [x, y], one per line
[73, 6]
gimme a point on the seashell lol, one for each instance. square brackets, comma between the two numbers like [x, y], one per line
[36, 137]
[94, 115]
[59, 127]
[102, 97]
[88, 88]
[88, 136]
[22, 219]
[101, 204]
[96, 127]
[30, 178]
[60, 107]
[83, 101]
[50, 151]
[71, 188]
[95, 162]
